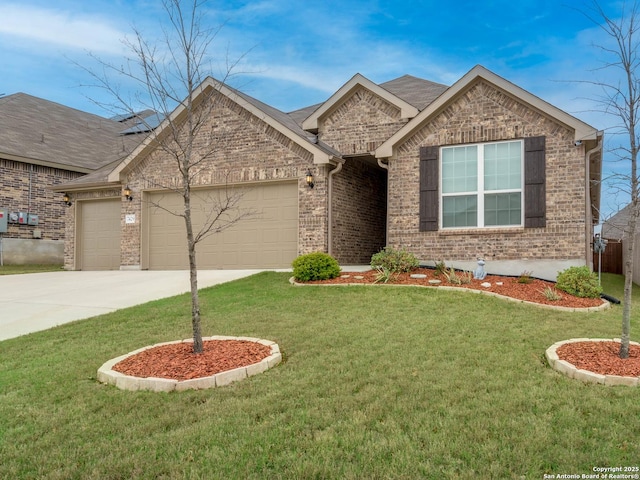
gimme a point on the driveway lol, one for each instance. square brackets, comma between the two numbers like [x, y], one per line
[37, 301]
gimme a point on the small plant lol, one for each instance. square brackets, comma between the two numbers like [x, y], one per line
[383, 274]
[396, 261]
[551, 294]
[465, 277]
[525, 277]
[452, 276]
[580, 282]
[441, 268]
[315, 266]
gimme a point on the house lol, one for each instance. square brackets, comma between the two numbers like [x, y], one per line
[481, 168]
[43, 144]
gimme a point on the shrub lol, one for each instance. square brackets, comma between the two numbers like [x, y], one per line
[315, 266]
[579, 281]
[395, 261]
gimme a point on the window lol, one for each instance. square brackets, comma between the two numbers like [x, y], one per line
[482, 185]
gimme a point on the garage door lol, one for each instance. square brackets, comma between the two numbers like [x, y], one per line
[99, 235]
[268, 239]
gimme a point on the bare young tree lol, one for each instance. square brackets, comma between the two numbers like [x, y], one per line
[173, 81]
[621, 100]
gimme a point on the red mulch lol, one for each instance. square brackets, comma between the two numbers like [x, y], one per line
[601, 357]
[178, 362]
[530, 292]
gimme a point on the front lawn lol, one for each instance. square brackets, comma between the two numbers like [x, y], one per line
[376, 382]
[20, 269]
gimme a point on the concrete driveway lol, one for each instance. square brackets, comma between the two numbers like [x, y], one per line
[37, 301]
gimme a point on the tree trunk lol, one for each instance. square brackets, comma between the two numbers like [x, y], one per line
[193, 276]
[628, 281]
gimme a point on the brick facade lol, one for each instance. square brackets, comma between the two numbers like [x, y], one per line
[359, 212]
[247, 152]
[26, 188]
[360, 124]
[357, 205]
[484, 114]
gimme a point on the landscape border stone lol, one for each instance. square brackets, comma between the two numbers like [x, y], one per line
[586, 376]
[605, 305]
[107, 375]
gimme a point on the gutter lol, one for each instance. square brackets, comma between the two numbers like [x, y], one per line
[589, 224]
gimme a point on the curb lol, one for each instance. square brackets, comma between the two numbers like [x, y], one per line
[107, 375]
[586, 376]
[605, 305]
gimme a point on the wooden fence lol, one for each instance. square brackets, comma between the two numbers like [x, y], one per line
[611, 258]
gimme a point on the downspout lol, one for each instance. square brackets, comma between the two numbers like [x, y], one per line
[330, 206]
[589, 225]
[385, 166]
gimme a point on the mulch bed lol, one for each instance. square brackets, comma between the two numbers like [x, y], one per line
[601, 357]
[177, 361]
[510, 287]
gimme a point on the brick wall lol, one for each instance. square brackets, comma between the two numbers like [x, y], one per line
[241, 150]
[360, 124]
[25, 188]
[359, 211]
[485, 114]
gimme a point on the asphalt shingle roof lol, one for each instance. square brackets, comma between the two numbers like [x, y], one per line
[39, 131]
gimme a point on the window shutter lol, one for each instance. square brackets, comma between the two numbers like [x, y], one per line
[429, 189]
[535, 208]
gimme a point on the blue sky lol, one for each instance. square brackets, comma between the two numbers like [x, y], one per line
[297, 53]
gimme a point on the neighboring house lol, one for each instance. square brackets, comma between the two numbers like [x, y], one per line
[479, 169]
[44, 144]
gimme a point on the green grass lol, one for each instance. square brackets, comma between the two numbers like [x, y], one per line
[20, 269]
[377, 383]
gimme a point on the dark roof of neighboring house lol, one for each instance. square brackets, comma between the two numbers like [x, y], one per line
[34, 130]
[614, 227]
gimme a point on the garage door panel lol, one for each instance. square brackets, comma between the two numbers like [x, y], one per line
[99, 235]
[268, 239]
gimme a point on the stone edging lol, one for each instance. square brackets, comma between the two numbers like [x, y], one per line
[605, 305]
[572, 371]
[127, 382]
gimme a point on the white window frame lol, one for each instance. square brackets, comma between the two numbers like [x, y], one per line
[480, 192]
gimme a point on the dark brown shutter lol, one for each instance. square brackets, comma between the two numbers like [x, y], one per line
[535, 207]
[429, 189]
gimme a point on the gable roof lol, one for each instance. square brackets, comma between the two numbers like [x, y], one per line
[275, 118]
[407, 109]
[416, 91]
[582, 130]
[37, 131]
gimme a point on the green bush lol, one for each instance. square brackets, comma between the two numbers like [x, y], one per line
[315, 266]
[579, 281]
[395, 261]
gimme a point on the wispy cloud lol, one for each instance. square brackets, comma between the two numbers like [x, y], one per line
[56, 27]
